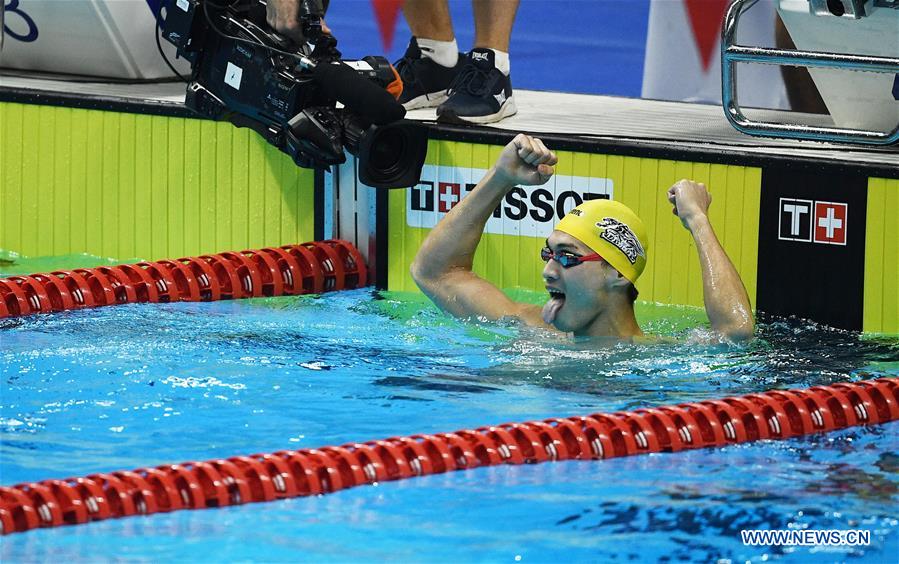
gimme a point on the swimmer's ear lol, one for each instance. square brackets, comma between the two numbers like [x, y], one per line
[618, 280]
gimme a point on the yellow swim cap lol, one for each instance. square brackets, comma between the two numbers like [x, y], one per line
[613, 231]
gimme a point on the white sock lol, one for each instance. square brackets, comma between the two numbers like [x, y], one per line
[502, 61]
[444, 53]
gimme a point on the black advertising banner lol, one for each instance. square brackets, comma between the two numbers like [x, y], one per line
[812, 245]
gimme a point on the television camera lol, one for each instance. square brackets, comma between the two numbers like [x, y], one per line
[244, 72]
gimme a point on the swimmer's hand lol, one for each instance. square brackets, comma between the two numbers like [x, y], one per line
[525, 160]
[691, 201]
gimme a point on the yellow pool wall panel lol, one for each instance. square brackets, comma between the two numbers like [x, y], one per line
[881, 299]
[126, 185]
[672, 274]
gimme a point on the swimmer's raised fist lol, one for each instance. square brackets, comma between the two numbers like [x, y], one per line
[525, 160]
[690, 201]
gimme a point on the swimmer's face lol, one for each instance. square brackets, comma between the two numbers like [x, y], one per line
[578, 293]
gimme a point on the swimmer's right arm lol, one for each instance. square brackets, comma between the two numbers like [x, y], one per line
[442, 267]
[725, 296]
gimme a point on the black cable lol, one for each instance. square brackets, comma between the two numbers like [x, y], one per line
[159, 45]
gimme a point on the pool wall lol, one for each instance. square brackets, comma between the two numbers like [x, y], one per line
[143, 181]
[128, 185]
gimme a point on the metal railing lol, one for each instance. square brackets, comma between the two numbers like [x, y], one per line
[731, 54]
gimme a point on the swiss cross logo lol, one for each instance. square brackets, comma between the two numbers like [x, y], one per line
[813, 221]
[830, 222]
[448, 195]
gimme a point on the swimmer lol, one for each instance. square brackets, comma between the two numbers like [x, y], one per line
[593, 257]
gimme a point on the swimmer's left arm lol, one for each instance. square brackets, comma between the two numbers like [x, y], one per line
[725, 296]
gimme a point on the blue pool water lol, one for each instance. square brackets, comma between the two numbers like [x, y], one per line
[140, 385]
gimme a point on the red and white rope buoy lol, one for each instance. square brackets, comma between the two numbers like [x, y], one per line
[283, 474]
[309, 268]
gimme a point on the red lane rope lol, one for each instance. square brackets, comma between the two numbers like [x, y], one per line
[283, 474]
[315, 267]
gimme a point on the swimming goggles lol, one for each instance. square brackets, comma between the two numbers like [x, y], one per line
[565, 258]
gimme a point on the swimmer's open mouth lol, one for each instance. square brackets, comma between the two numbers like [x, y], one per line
[552, 307]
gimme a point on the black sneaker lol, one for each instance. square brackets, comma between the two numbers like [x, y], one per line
[480, 94]
[425, 83]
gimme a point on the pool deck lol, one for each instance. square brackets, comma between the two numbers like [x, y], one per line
[604, 120]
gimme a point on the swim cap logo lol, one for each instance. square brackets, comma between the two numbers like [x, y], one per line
[620, 235]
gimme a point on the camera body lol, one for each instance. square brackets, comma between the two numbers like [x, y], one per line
[244, 72]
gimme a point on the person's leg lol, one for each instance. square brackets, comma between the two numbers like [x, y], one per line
[431, 62]
[429, 19]
[493, 21]
[483, 91]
